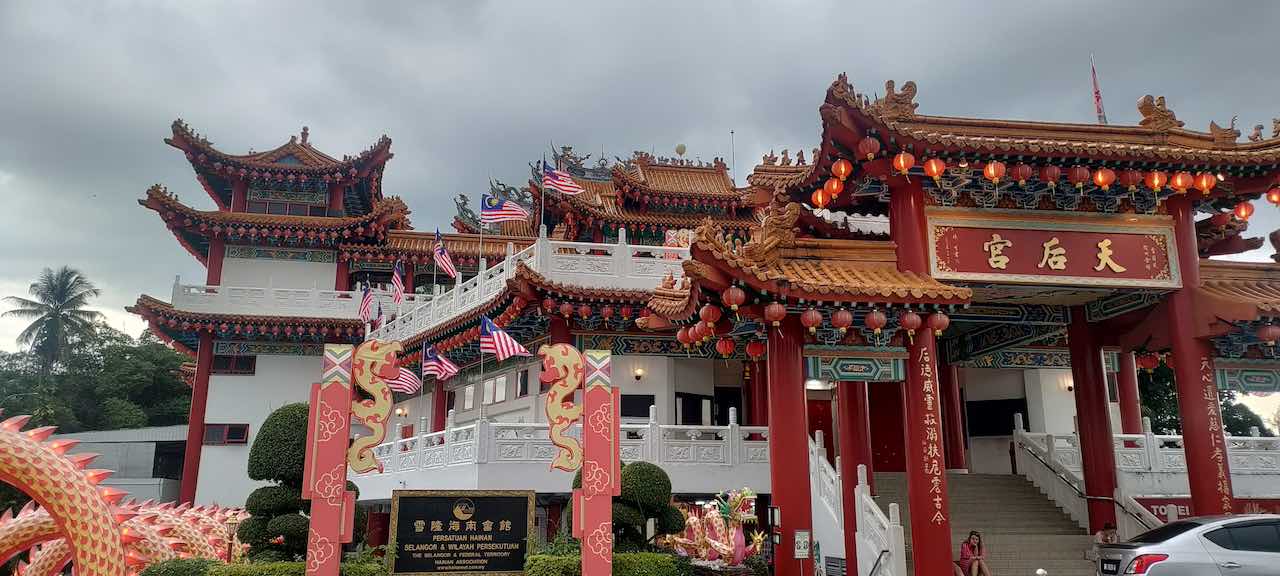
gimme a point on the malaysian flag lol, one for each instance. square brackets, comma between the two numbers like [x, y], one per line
[559, 181]
[436, 365]
[444, 262]
[397, 283]
[494, 209]
[497, 342]
[366, 304]
[406, 382]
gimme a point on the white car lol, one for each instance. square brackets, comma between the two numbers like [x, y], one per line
[1244, 545]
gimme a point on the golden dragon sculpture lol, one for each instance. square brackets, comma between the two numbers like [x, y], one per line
[372, 363]
[562, 370]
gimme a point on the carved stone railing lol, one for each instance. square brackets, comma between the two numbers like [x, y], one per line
[828, 505]
[1041, 460]
[881, 539]
[269, 301]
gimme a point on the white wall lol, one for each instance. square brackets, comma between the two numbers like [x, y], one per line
[260, 272]
[1051, 407]
[990, 454]
[278, 380]
[657, 380]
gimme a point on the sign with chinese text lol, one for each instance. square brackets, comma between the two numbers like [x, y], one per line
[444, 532]
[1029, 247]
[1162, 506]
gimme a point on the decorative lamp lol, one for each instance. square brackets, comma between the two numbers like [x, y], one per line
[903, 161]
[1103, 177]
[584, 311]
[1021, 173]
[607, 311]
[939, 322]
[734, 297]
[1205, 181]
[1244, 210]
[841, 320]
[811, 319]
[725, 346]
[566, 309]
[709, 313]
[1269, 333]
[774, 313]
[1147, 362]
[833, 187]
[1181, 181]
[993, 171]
[820, 198]
[1155, 180]
[1078, 175]
[868, 147]
[875, 320]
[638, 373]
[842, 169]
[548, 304]
[755, 349]
[934, 168]
[1130, 179]
[684, 337]
[626, 312]
[702, 330]
[910, 321]
[1273, 195]
[1049, 175]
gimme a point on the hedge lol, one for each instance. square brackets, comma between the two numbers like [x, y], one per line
[624, 564]
[293, 569]
[190, 567]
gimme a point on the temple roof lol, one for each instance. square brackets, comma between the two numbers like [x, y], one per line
[1220, 235]
[180, 328]
[194, 227]
[1252, 285]
[417, 246]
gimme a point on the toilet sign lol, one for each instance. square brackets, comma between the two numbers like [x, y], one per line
[802, 544]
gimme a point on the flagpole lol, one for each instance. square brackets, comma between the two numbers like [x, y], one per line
[542, 212]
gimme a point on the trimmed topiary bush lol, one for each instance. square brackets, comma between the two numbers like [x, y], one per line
[645, 494]
[624, 564]
[279, 450]
[646, 486]
[671, 521]
[269, 501]
[179, 567]
[253, 530]
[278, 528]
[293, 527]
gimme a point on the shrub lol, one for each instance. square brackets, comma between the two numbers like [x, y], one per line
[293, 569]
[280, 448]
[647, 486]
[543, 565]
[757, 565]
[253, 530]
[267, 553]
[624, 564]
[671, 520]
[179, 568]
[293, 527]
[269, 501]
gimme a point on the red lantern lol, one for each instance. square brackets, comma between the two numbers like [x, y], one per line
[607, 311]
[1155, 180]
[733, 296]
[684, 336]
[584, 311]
[939, 322]
[1244, 210]
[868, 147]
[1205, 181]
[566, 309]
[934, 168]
[774, 313]
[548, 304]
[709, 313]
[702, 330]
[910, 322]
[811, 319]
[820, 198]
[1273, 195]
[1078, 175]
[841, 320]
[833, 187]
[1181, 181]
[1269, 333]
[1130, 179]
[626, 312]
[1021, 173]
[1050, 174]
[725, 346]
[842, 169]
[993, 171]
[875, 320]
[755, 349]
[1103, 177]
[903, 161]
[1147, 362]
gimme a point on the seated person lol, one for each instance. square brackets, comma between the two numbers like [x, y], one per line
[973, 557]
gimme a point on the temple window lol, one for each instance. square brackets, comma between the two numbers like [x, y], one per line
[522, 384]
[225, 434]
[234, 365]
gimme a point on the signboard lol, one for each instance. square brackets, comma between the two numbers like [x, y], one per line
[1162, 506]
[1053, 248]
[802, 544]
[450, 532]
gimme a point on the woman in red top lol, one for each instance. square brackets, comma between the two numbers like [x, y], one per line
[973, 557]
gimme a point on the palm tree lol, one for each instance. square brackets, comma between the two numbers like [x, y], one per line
[57, 313]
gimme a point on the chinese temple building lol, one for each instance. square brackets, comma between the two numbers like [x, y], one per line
[926, 306]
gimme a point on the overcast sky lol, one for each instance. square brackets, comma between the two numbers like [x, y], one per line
[470, 90]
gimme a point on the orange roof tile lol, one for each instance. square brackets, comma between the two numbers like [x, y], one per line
[1252, 284]
[294, 156]
[390, 213]
[422, 243]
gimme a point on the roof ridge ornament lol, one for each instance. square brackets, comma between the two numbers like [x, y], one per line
[1156, 115]
[1275, 244]
[896, 105]
[1224, 137]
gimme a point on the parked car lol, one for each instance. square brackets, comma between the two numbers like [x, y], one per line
[1244, 545]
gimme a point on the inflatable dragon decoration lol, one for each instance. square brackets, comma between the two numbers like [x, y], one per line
[715, 533]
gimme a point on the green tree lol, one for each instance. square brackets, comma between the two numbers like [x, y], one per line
[645, 495]
[1160, 403]
[57, 312]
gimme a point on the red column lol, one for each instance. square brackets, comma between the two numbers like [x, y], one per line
[1207, 466]
[952, 417]
[335, 199]
[408, 278]
[376, 528]
[758, 394]
[195, 419]
[1097, 451]
[789, 443]
[213, 263]
[1127, 384]
[855, 449]
[239, 196]
[439, 407]
[926, 478]
[342, 281]
[559, 332]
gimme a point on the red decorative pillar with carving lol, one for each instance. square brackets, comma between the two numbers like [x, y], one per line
[952, 417]
[213, 262]
[195, 419]
[855, 448]
[1097, 450]
[558, 332]
[342, 280]
[926, 478]
[789, 443]
[757, 394]
[1127, 385]
[1207, 467]
[239, 196]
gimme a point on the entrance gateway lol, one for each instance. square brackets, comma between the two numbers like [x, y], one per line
[1006, 242]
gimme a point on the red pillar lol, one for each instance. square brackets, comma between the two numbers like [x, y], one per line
[439, 407]
[342, 281]
[926, 478]
[195, 419]
[559, 332]
[1097, 451]
[408, 277]
[1207, 467]
[855, 449]
[377, 528]
[213, 263]
[335, 199]
[758, 394]
[1127, 384]
[789, 443]
[239, 196]
[953, 417]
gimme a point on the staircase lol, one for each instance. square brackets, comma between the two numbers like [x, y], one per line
[1022, 529]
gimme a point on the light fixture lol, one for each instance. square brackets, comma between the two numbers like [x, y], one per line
[815, 384]
[638, 373]
[401, 411]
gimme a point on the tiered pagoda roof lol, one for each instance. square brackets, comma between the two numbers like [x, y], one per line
[193, 228]
[1221, 234]
[295, 162]
[416, 247]
[182, 328]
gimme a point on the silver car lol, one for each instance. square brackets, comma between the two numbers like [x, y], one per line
[1245, 545]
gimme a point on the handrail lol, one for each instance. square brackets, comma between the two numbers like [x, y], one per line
[1061, 476]
[876, 566]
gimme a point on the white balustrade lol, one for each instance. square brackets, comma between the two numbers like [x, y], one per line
[270, 301]
[827, 504]
[880, 538]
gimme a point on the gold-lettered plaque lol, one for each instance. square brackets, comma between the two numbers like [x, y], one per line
[457, 532]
